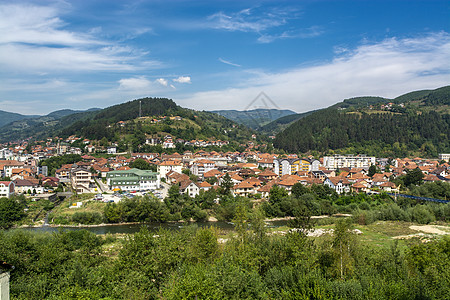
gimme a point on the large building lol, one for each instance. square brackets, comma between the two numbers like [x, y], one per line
[445, 157]
[290, 166]
[133, 180]
[348, 161]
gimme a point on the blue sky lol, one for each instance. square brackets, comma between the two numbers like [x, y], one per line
[211, 55]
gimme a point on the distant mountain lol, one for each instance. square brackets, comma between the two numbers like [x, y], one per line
[255, 118]
[282, 123]
[130, 124]
[8, 117]
[66, 112]
[41, 126]
[416, 123]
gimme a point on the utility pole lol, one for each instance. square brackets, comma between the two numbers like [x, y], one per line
[140, 108]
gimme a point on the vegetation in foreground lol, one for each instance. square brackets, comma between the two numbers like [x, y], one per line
[194, 264]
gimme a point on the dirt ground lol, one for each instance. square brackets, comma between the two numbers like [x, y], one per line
[424, 230]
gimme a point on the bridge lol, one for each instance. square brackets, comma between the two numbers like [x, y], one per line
[419, 198]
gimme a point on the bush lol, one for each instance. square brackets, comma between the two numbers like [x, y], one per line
[421, 214]
[364, 217]
[87, 218]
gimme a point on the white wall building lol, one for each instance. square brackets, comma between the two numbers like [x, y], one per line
[444, 156]
[6, 188]
[348, 161]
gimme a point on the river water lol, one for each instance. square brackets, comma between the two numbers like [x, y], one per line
[132, 228]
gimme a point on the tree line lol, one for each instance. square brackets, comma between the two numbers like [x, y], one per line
[427, 132]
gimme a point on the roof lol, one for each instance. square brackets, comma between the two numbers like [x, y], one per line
[204, 184]
[212, 173]
[170, 163]
[5, 266]
[244, 185]
[267, 172]
[23, 182]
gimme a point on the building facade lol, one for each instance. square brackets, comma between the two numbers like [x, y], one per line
[6, 188]
[444, 156]
[81, 180]
[133, 180]
[348, 161]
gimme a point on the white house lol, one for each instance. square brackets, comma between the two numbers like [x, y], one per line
[6, 188]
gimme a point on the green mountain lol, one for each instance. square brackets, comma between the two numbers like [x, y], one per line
[133, 122]
[416, 123]
[8, 117]
[42, 126]
[255, 118]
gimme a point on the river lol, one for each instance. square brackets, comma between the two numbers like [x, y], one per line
[132, 228]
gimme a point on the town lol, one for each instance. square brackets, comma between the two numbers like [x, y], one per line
[252, 173]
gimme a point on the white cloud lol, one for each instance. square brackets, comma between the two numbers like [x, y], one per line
[388, 68]
[136, 83]
[162, 81]
[27, 23]
[251, 19]
[228, 62]
[183, 79]
[33, 39]
[310, 32]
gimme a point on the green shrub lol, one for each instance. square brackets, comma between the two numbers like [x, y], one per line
[421, 214]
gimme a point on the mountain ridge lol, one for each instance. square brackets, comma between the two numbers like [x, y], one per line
[415, 123]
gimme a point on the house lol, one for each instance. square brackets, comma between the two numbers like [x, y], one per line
[287, 182]
[265, 190]
[190, 188]
[265, 163]
[244, 189]
[111, 150]
[50, 181]
[6, 167]
[6, 188]
[63, 173]
[212, 173]
[267, 175]
[204, 186]
[388, 187]
[169, 165]
[175, 177]
[360, 187]
[339, 184]
[21, 173]
[22, 186]
[81, 180]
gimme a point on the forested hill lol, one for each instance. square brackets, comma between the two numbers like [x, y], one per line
[255, 118]
[416, 123]
[8, 117]
[422, 98]
[159, 117]
[41, 126]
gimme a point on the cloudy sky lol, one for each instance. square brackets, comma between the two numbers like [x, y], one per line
[210, 55]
